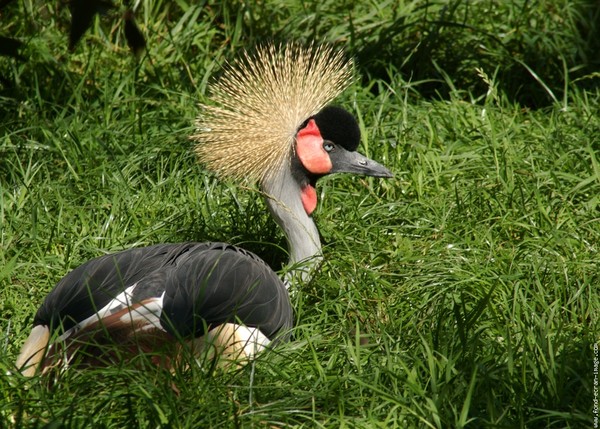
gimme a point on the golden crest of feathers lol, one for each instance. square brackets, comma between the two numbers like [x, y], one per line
[260, 102]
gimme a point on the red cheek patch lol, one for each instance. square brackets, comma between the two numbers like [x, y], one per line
[309, 199]
[309, 148]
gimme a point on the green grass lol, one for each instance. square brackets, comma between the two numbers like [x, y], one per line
[461, 293]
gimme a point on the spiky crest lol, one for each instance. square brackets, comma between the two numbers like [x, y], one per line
[260, 102]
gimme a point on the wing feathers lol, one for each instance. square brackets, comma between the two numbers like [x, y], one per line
[144, 299]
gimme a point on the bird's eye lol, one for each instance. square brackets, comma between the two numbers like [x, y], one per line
[328, 146]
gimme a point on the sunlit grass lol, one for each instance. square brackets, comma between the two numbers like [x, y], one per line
[462, 292]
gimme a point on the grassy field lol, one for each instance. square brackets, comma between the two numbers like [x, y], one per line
[461, 293]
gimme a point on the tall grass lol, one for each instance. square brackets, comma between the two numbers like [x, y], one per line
[461, 293]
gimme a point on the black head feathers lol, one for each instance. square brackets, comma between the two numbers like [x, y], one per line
[338, 126]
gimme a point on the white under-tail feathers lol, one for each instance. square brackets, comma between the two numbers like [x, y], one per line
[259, 103]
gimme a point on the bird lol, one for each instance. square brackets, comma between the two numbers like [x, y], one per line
[269, 119]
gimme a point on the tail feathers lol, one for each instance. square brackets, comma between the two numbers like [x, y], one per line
[33, 350]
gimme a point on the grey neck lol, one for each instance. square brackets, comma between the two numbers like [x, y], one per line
[282, 195]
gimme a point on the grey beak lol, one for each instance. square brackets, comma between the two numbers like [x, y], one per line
[344, 161]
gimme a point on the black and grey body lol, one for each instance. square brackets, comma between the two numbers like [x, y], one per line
[201, 285]
[164, 293]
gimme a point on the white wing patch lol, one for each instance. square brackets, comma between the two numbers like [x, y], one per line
[147, 315]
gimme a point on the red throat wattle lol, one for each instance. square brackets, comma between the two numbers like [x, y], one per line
[309, 148]
[309, 199]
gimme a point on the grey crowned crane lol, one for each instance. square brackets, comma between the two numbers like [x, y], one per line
[270, 122]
